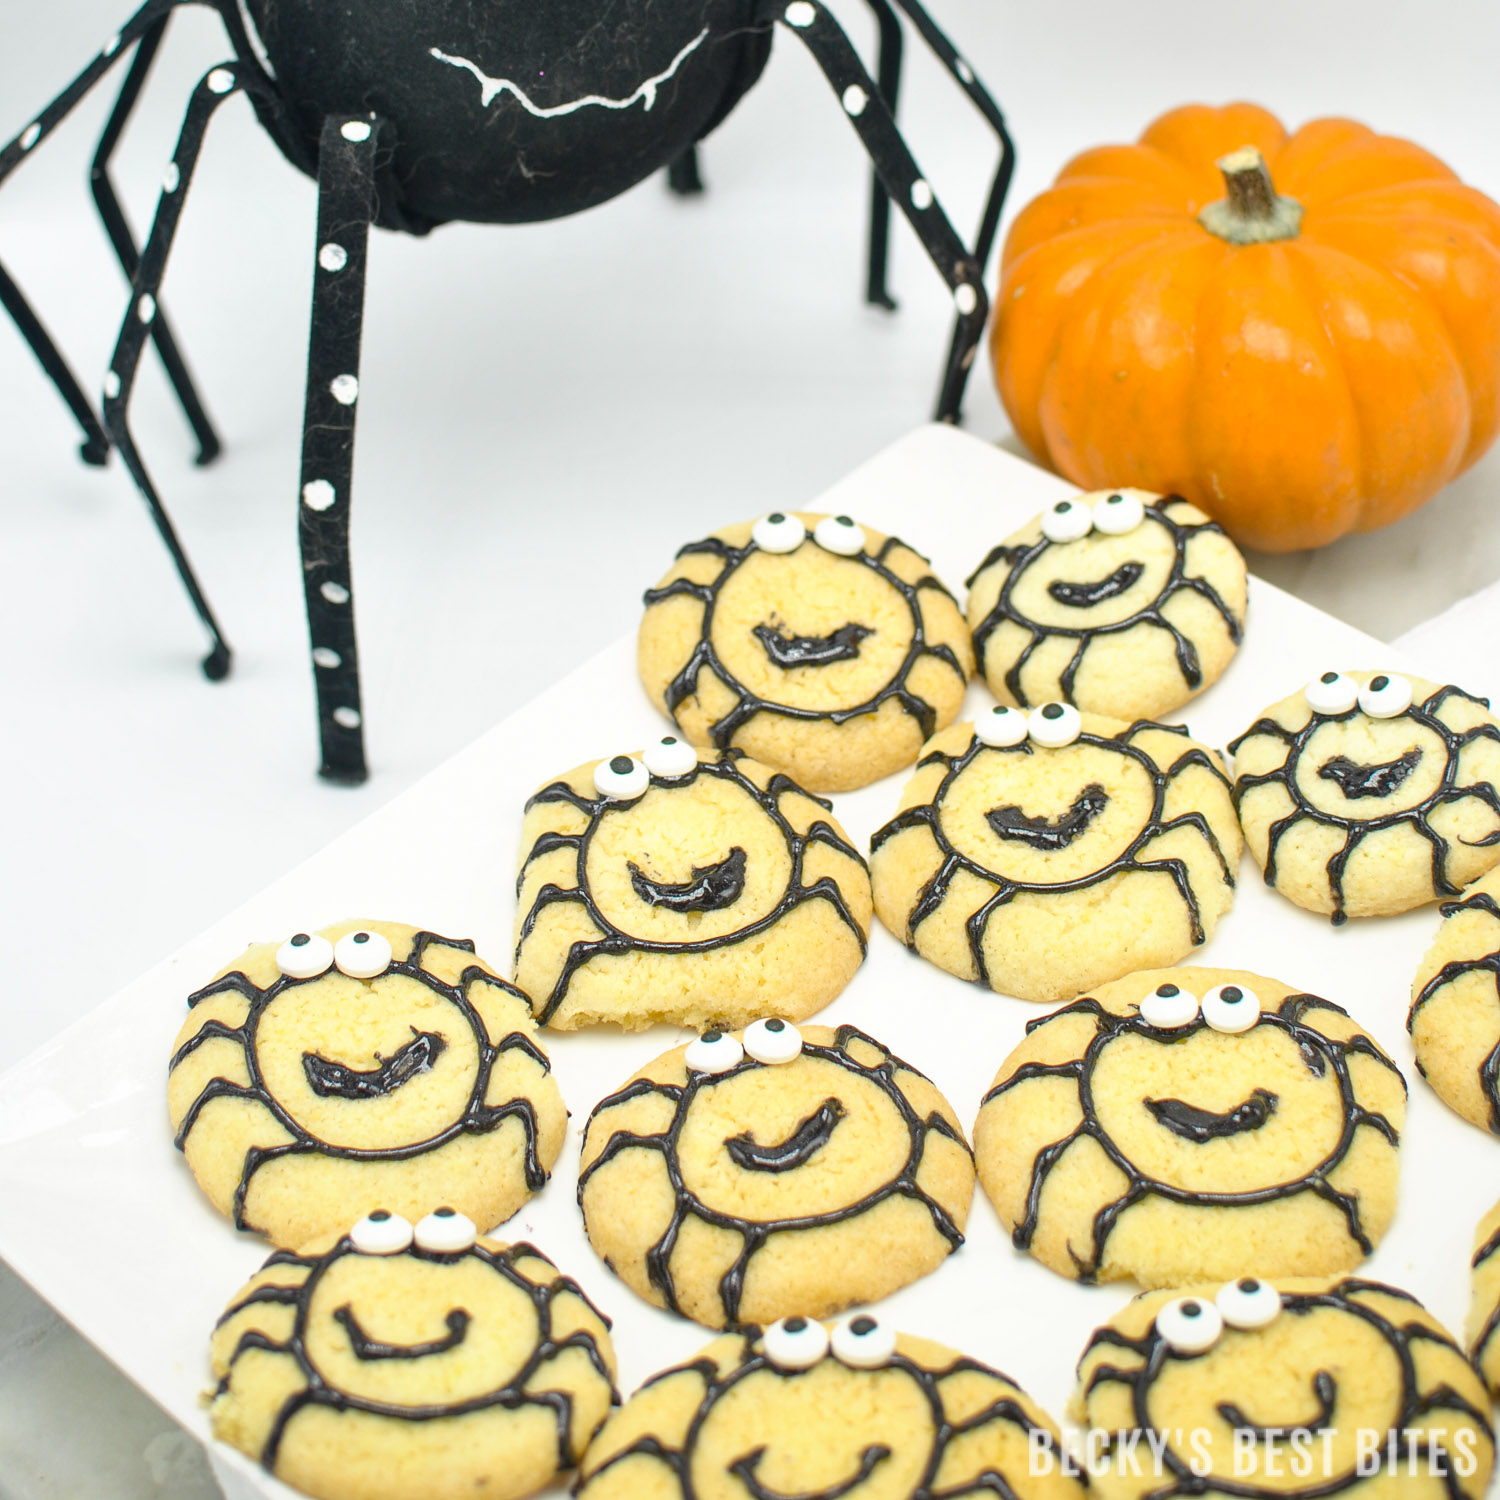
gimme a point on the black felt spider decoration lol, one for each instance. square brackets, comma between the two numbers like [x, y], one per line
[491, 111]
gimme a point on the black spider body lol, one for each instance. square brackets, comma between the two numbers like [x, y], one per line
[414, 113]
[508, 111]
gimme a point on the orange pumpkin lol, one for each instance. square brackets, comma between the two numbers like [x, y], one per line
[1300, 334]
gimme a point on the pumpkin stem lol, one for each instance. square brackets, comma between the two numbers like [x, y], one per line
[1254, 212]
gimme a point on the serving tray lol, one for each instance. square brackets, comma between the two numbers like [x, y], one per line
[99, 1213]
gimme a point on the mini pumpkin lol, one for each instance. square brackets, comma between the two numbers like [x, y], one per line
[1298, 333]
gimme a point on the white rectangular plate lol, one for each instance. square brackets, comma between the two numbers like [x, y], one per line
[99, 1213]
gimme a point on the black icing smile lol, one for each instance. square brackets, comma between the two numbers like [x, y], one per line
[709, 888]
[800, 1146]
[366, 1348]
[1200, 1125]
[744, 1470]
[1325, 1388]
[1047, 833]
[811, 650]
[1355, 780]
[1086, 595]
[329, 1078]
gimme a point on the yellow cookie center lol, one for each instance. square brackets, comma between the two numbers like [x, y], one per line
[1360, 769]
[1098, 581]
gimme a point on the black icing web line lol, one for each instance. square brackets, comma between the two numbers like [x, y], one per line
[478, 1118]
[1154, 1352]
[1319, 1053]
[755, 1233]
[1492, 1322]
[1002, 1409]
[1357, 829]
[747, 704]
[1021, 558]
[512, 1395]
[615, 941]
[1489, 1069]
[926, 814]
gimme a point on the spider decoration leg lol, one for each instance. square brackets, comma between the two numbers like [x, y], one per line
[888, 80]
[218, 85]
[112, 215]
[346, 205]
[901, 178]
[683, 175]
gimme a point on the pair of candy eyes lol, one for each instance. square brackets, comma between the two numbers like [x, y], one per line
[1384, 696]
[1189, 1325]
[1229, 1008]
[779, 532]
[625, 776]
[1072, 520]
[769, 1041]
[1051, 726]
[861, 1342]
[360, 955]
[445, 1231]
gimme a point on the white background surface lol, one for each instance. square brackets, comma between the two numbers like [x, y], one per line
[547, 413]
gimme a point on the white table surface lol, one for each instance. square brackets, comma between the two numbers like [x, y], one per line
[549, 410]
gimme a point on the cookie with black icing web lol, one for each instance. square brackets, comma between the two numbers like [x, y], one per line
[1123, 602]
[1370, 793]
[1184, 1123]
[794, 1412]
[368, 1064]
[412, 1360]
[799, 1170]
[1040, 854]
[815, 644]
[1291, 1389]
[700, 889]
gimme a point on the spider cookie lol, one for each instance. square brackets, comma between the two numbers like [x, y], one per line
[799, 1411]
[674, 886]
[1455, 1006]
[1043, 853]
[406, 1362]
[817, 645]
[367, 1065]
[1188, 1123]
[747, 1177]
[1483, 1322]
[1367, 793]
[1123, 602]
[1304, 1387]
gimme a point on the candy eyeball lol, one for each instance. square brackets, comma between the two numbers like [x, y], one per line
[1118, 512]
[1067, 520]
[1385, 696]
[621, 778]
[1231, 1008]
[778, 532]
[839, 534]
[1190, 1325]
[362, 955]
[795, 1343]
[1332, 693]
[714, 1052]
[381, 1233]
[863, 1342]
[1248, 1302]
[1000, 728]
[304, 956]
[1054, 725]
[445, 1231]
[1169, 1007]
[670, 757]
[773, 1041]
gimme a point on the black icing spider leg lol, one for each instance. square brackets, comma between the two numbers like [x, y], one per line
[95, 449]
[346, 204]
[113, 217]
[218, 84]
[888, 79]
[902, 179]
[961, 355]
